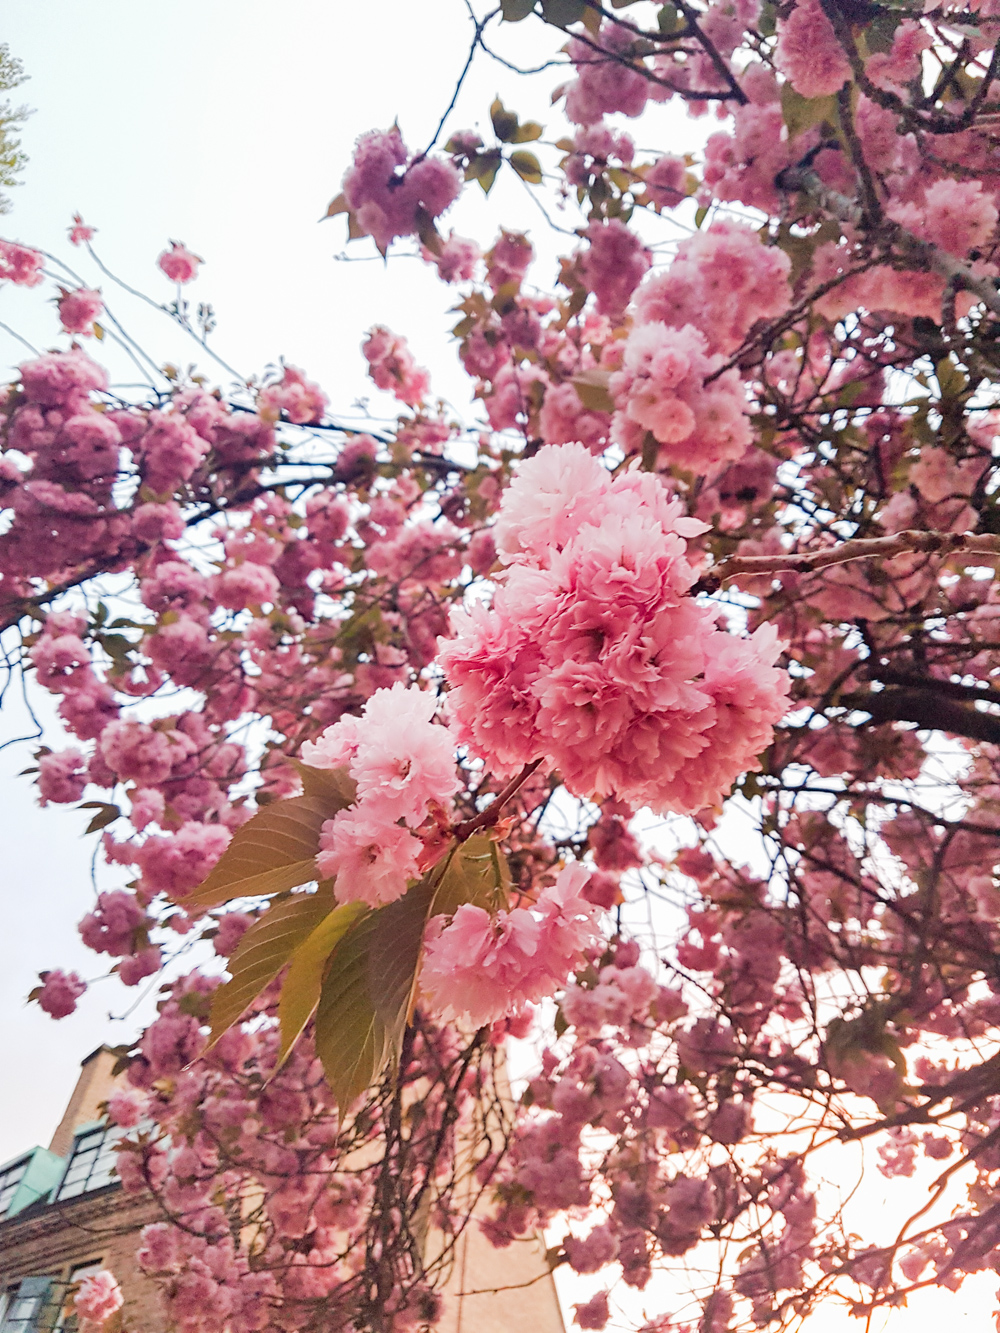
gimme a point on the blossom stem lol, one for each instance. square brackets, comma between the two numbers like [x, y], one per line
[491, 815]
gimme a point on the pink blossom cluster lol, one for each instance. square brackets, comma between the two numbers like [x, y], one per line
[59, 992]
[299, 399]
[20, 265]
[79, 309]
[179, 263]
[613, 265]
[404, 766]
[387, 190]
[956, 215]
[808, 52]
[594, 656]
[721, 281]
[79, 232]
[455, 259]
[478, 968]
[604, 85]
[98, 1298]
[663, 389]
[62, 776]
[392, 367]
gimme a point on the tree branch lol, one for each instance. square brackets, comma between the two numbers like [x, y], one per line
[911, 541]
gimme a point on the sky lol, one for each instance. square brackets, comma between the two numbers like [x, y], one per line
[228, 127]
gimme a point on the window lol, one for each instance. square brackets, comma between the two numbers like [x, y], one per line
[66, 1321]
[10, 1178]
[91, 1162]
[39, 1304]
[34, 1307]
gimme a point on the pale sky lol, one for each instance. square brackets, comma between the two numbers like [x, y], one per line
[228, 127]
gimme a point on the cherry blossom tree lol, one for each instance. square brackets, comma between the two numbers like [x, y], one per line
[375, 713]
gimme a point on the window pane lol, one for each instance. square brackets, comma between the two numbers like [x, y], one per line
[92, 1163]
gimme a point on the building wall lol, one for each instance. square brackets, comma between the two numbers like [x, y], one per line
[488, 1290]
[95, 1085]
[100, 1227]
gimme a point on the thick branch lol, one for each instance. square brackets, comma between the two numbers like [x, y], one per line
[806, 181]
[927, 709]
[857, 548]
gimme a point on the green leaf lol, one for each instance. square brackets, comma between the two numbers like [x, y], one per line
[429, 235]
[802, 113]
[592, 390]
[301, 988]
[394, 955]
[263, 952]
[106, 814]
[272, 852]
[527, 132]
[668, 20]
[504, 121]
[351, 1039]
[368, 994]
[475, 872]
[334, 785]
[527, 167]
[700, 216]
[367, 997]
[513, 11]
[483, 167]
[561, 13]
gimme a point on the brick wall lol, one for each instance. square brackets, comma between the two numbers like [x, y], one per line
[52, 1240]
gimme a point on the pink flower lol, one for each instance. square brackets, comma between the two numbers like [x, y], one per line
[386, 190]
[662, 389]
[57, 377]
[721, 281]
[232, 927]
[371, 860]
[78, 310]
[392, 366]
[111, 928]
[665, 181]
[401, 760]
[404, 760]
[302, 401]
[551, 497]
[59, 993]
[61, 777]
[593, 1313]
[614, 265]
[456, 260]
[956, 215]
[593, 654]
[135, 751]
[479, 968]
[604, 85]
[592, 1252]
[126, 1107]
[19, 265]
[246, 585]
[178, 263]
[136, 967]
[174, 864]
[808, 52]
[80, 233]
[98, 1297]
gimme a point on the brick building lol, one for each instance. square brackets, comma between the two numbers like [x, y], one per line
[64, 1215]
